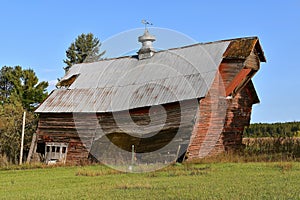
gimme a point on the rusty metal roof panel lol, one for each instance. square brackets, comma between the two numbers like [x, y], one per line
[126, 83]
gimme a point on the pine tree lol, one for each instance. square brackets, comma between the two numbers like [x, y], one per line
[85, 49]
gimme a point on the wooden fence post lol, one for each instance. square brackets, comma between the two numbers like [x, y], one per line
[22, 139]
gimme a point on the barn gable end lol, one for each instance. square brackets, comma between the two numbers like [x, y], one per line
[226, 110]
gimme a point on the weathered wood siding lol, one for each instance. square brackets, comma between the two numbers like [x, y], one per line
[219, 131]
[210, 121]
[60, 127]
[237, 118]
[102, 132]
[240, 107]
[157, 145]
[220, 122]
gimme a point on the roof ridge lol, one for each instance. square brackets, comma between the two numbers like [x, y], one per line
[176, 48]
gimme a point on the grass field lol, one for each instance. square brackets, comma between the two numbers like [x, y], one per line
[190, 181]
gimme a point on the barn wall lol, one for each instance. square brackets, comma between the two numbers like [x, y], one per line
[237, 118]
[240, 107]
[210, 121]
[158, 145]
[59, 127]
[220, 121]
[222, 130]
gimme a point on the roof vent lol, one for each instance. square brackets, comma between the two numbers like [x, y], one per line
[147, 50]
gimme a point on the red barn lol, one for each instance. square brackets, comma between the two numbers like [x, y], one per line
[182, 103]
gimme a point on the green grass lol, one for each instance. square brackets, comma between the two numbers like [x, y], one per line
[279, 180]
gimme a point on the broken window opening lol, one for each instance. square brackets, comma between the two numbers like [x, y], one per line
[66, 83]
[56, 152]
[182, 153]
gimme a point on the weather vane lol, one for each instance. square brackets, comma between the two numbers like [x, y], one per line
[145, 22]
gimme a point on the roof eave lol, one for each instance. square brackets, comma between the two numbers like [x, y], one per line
[260, 51]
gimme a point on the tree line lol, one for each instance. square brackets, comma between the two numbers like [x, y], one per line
[21, 90]
[287, 129]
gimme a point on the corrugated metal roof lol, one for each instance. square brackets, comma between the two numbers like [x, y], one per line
[126, 83]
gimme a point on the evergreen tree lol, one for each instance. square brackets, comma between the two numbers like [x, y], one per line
[22, 85]
[85, 49]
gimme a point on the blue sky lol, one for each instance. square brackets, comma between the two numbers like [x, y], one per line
[35, 34]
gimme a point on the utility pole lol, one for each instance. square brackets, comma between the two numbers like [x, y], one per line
[22, 140]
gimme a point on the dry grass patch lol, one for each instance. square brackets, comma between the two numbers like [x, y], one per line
[99, 172]
[284, 166]
[133, 186]
[181, 170]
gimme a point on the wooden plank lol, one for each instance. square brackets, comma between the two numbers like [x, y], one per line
[32, 147]
[237, 80]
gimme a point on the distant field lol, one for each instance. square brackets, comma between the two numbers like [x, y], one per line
[193, 181]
